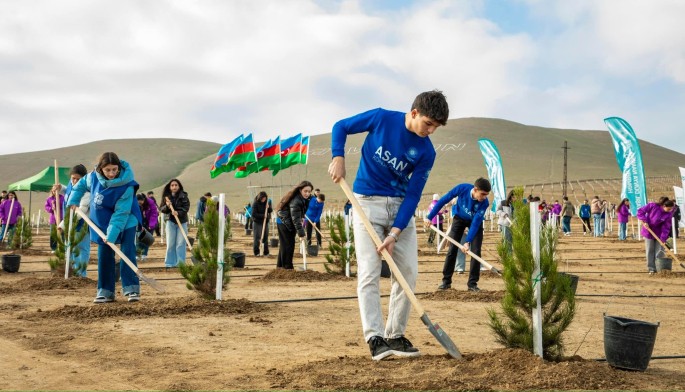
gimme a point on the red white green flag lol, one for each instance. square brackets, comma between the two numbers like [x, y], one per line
[291, 152]
[304, 150]
[268, 158]
[239, 152]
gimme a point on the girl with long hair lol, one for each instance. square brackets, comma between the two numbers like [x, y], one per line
[173, 196]
[291, 211]
[623, 215]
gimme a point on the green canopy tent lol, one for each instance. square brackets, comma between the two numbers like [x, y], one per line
[41, 182]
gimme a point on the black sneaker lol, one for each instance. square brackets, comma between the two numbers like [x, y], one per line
[402, 347]
[475, 289]
[379, 348]
[445, 286]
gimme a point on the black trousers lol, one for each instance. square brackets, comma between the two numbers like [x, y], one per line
[309, 233]
[257, 235]
[589, 226]
[457, 229]
[432, 235]
[286, 248]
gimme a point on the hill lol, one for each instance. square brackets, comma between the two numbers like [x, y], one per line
[530, 155]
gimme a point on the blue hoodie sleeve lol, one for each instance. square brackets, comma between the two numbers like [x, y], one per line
[477, 221]
[362, 122]
[78, 190]
[443, 200]
[415, 187]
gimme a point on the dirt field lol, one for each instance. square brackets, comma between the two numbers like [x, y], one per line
[53, 337]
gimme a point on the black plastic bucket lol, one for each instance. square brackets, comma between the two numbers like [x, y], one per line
[313, 250]
[146, 238]
[191, 240]
[238, 259]
[628, 343]
[273, 242]
[385, 269]
[248, 231]
[10, 263]
[574, 280]
[663, 264]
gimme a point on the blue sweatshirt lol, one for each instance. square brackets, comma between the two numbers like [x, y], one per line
[314, 210]
[395, 162]
[467, 208]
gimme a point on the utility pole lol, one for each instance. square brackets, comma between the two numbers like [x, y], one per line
[564, 185]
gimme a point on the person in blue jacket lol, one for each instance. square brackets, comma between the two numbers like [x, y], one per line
[472, 203]
[396, 159]
[114, 209]
[313, 215]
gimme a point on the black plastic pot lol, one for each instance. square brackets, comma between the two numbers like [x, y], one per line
[663, 264]
[385, 269]
[238, 259]
[273, 242]
[248, 231]
[191, 240]
[628, 343]
[10, 263]
[313, 250]
[146, 238]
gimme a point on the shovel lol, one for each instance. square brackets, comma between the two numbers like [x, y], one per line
[663, 246]
[261, 238]
[461, 247]
[153, 283]
[185, 236]
[434, 328]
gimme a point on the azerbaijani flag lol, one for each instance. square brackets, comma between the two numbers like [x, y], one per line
[268, 157]
[239, 152]
[290, 152]
[304, 150]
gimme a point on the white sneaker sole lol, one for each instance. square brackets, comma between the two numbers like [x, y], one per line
[406, 354]
[383, 355]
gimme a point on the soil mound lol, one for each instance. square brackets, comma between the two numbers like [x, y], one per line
[301, 276]
[464, 296]
[665, 274]
[53, 283]
[168, 307]
[503, 369]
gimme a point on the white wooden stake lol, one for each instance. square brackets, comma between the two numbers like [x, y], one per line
[535, 225]
[220, 250]
[347, 244]
[67, 251]
[437, 237]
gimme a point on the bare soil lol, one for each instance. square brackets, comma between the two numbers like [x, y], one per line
[286, 330]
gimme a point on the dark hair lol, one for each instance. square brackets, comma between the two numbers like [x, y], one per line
[208, 194]
[432, 104]
[79, 169]
[483, 184]
[260, 195]
[322, 197]
[143, 198]
[151, 193]
[669, 203]
[12, 193]
[510, 198]
[292, 193]
[565, 199]
[662, 200]
[107, 158]
[167, 191]
[622, 203]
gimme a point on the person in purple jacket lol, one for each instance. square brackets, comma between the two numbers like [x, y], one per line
[396, 159]
[150, 215]
[556, 212]
[50, 208]
[656, 216]
[10, 211]
[623, 216]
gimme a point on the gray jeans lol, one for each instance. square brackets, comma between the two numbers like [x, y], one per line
[653, 249]
[381, 212]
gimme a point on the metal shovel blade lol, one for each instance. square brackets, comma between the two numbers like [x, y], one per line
[153, 283]
[442, 337]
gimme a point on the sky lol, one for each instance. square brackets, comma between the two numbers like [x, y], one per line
[76, 71]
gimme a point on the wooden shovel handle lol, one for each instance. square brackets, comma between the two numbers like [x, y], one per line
[663, 246]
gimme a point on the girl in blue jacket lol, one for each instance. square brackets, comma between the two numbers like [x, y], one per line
[114, 209]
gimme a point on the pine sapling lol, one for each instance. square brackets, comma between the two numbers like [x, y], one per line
[336, 260]
[58, 262]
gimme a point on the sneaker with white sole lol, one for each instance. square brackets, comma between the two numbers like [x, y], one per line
[379, 348]
[402, 347]
[102, 300]
[133, 297]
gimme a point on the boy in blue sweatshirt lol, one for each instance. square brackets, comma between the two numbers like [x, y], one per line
[396, 158]
[313, 216]
[472, 203]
